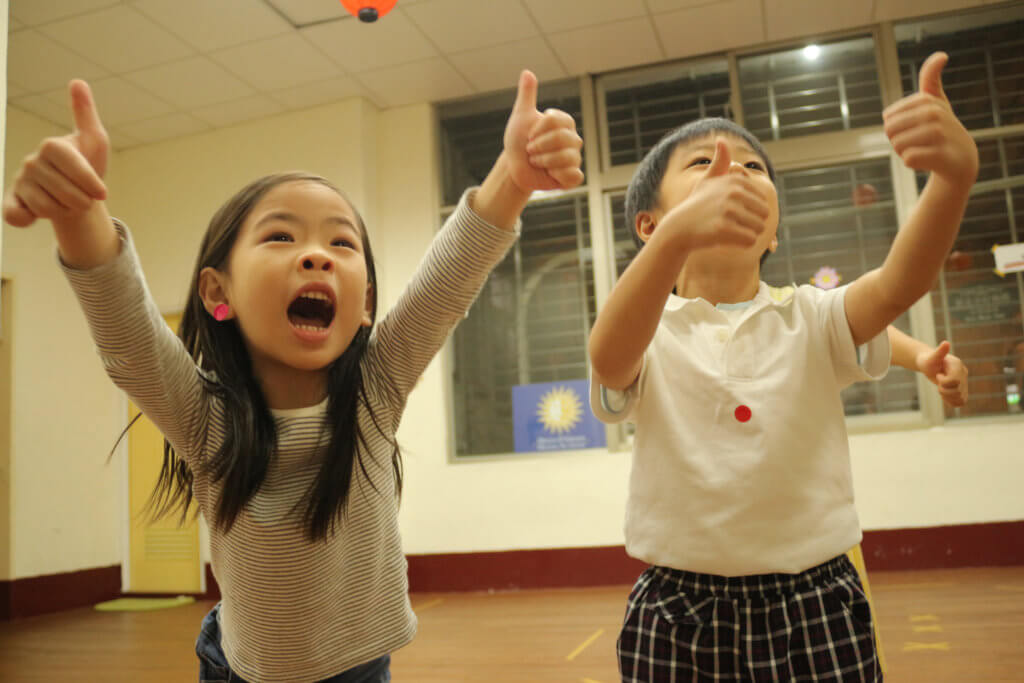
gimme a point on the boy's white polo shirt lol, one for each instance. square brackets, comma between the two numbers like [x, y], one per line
[740, 458]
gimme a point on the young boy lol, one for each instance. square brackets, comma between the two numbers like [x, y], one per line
[740, 495]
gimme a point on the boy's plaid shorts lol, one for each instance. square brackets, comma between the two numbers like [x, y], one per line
[813, 626]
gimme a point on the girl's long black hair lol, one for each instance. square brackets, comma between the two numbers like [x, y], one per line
[240, 465]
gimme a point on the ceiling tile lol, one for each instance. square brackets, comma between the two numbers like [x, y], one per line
[37, 63]
[658, 6]
[190, 83]
[119, 101]
[120, 39]
[797, 18]
[569, 14]
[164, 127]
[301, 12]
[121, 140]
[276, 63]
[13, 24]
[321, 92]
[229, 113]
[899, 9]
[357, 46]
[606, 47]
[207, 25]
[45, 108]
[498, 67]
[429, 80]
[35, 12]
[457, 25]
[15, 90]
[711, 28]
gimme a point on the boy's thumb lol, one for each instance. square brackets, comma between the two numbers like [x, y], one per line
[721, 161]
[930, 76]
[89, 131]
[936, 357]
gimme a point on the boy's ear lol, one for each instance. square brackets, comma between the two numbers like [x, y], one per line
[645, 224]
[213, 290]
[774, 245]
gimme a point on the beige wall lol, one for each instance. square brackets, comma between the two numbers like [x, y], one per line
[66, 504]
[5, 356]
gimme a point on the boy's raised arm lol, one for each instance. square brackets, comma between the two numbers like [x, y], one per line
[927, 136]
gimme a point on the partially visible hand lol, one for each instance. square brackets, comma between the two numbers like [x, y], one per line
[725, 207]
[925, 132]
[945, 371]
[62, 178]
[543, 149]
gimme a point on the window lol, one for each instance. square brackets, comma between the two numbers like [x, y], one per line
[638, 114]
[530, 324]
[978, 311]
[814, 89]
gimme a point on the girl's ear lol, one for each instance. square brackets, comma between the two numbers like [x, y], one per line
[646, 221]
[213, 291]
[774, 245]
[367, 310]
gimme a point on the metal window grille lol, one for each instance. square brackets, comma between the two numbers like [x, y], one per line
[790, 93]
[530, 324]
[639, 114]
[981, 313]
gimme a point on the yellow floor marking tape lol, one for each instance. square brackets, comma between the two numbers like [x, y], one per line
[428, 604]
[588, 680]
[928, 628]
[584, 645]
[924, 617]
[913, 647]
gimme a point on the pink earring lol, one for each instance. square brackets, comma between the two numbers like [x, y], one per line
[221, 312]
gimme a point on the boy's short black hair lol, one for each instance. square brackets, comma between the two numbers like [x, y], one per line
[642, 194]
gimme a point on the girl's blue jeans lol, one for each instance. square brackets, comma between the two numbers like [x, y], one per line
[213, 665]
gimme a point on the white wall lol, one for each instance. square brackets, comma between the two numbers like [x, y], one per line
[66, 504]
[64, 499]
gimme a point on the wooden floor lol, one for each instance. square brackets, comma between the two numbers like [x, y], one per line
[963, 626]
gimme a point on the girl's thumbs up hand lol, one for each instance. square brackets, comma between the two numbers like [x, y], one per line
[63, 178]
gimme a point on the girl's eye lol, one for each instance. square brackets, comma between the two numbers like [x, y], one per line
[700, 160]
[755, 165]
[343, 242]
[279, 237]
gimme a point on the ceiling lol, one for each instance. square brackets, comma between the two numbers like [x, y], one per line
[166, 68]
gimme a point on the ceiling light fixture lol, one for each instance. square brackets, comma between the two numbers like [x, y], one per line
[369, 10]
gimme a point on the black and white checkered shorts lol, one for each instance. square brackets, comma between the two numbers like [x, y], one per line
[813, 626]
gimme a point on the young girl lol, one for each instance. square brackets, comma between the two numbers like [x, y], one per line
[280, 400]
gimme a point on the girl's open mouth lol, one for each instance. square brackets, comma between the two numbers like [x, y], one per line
[311, 311]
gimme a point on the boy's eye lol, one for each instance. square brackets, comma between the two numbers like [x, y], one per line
[700, 160]
[279, 237]
[343, 242]
[755, 165]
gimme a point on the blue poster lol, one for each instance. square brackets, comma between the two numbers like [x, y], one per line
[555, 416]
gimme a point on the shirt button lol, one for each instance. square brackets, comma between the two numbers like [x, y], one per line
[723, 336]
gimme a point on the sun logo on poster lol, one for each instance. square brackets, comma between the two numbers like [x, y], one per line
[560, 410]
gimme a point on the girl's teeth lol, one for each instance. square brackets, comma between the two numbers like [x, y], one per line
[315, 295]
[312, 328]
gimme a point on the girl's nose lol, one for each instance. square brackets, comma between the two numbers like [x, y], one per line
[317, 261]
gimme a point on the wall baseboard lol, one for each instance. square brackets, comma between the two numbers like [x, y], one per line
[36, 595]
[994, 544]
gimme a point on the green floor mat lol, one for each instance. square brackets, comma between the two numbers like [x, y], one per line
[143, 604]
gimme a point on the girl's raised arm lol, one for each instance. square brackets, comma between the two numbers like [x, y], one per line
[541, 152]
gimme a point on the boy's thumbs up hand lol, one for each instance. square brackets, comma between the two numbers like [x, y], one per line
[925, 132]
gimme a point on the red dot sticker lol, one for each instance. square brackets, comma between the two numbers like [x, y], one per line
[743, 413]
